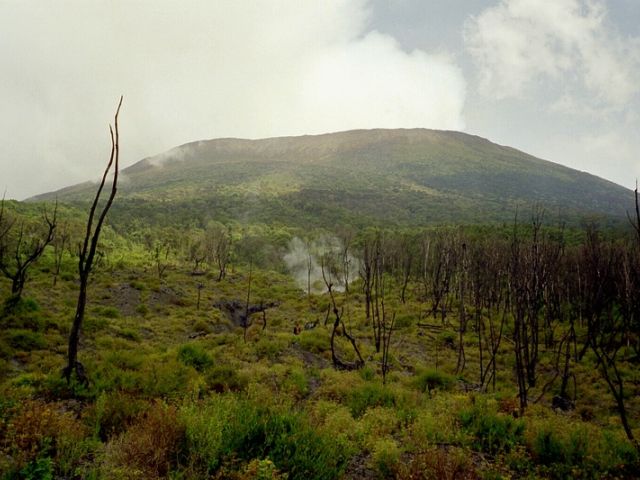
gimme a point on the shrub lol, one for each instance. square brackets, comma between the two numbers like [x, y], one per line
[39, 469]
[202, 326]
[563, 448]
[448, 338]
[262, 470]
[138, 285]
[385, 457]
[194, 356]
[431, 380]
[19, 312]
[314, 341]
[26, 340]
[298, 449]
[296, 383]
[367, 373]
[404, 321]
[369, 395]
[430, 427]
[114, 412]
[227, 427]
[378, 422]
[129, 334]
[125, 360]
[492, 432]
[269, 348]
[39, 431]
[109, 312]
[150, 448]
[439, 464]
[224, 378]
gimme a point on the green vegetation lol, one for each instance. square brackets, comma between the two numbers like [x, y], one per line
[359, 178]
[512, 350]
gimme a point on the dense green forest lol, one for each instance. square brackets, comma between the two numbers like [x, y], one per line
[238, 349]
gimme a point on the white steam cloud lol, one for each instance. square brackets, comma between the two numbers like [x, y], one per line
[304, 260]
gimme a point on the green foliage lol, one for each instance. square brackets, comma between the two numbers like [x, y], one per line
[39, 469]
[224, 378]
[492, 432]
[114, 412]
[21, 312]
[109, 312]
[263, 470]
[270, 347]
[430, 380]
[227, 426]
[564, 449]
[26, 340]
[431, 177]
[404, 321]
[194, 356]
[142, 309]
[371, 394]
[385, 457]
[314, 341]
[447, 338]
[129, 334]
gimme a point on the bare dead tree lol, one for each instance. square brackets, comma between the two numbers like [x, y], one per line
[338, 363]
[196, 252]
[88, 253]
[388, 325]
[60, 240]
[462, 327]
[161, 252]
[246, 323]
[19, 250]
[217, 243]
[199, 286]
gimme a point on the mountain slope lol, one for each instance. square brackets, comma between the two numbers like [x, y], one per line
[362, 177]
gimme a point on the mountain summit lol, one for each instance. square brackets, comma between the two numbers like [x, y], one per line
[363, 177]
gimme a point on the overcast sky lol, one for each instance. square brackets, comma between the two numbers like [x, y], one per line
[555, 78]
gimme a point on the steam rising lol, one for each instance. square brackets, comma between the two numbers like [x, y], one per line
[305, 260]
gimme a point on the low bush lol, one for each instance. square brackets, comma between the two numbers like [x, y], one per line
[432, 380]
[228, 427]
[492, 432]
[150, 448]
[194, 356]
[224, 378]
[43, 439]
[113, 413]
[385, 458]
[369, 395]
[26, 340]
[314, 341]
[439, 464]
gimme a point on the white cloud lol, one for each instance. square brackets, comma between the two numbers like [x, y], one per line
[519, 44]
[199, 70]
[610, 154]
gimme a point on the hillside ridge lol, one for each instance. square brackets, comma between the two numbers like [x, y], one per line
[404, 176]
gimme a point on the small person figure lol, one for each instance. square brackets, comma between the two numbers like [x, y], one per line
[297, 329]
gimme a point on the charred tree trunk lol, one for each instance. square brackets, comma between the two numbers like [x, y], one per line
[88, 252]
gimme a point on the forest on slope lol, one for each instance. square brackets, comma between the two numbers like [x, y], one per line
[362, 178]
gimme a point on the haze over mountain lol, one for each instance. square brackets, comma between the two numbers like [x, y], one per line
[363, 177]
